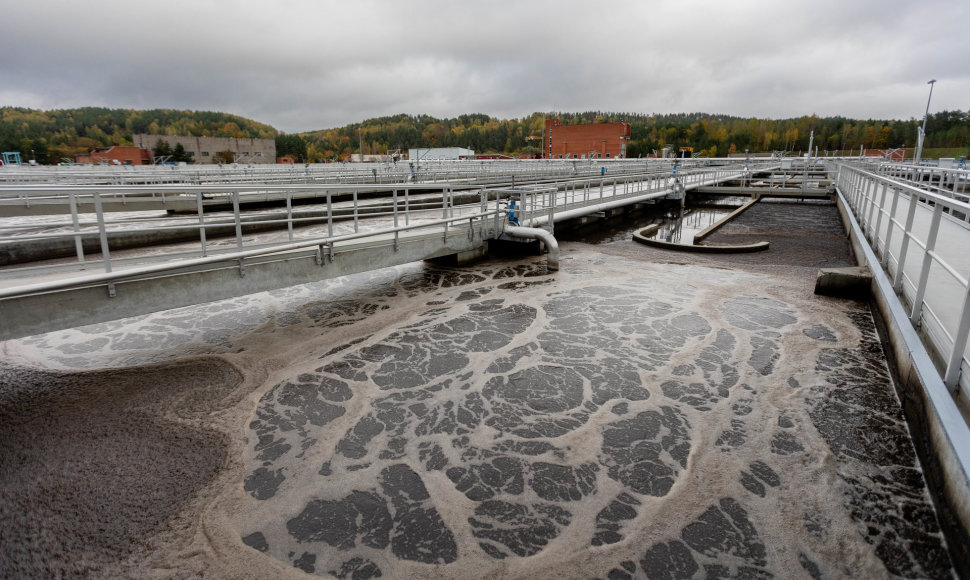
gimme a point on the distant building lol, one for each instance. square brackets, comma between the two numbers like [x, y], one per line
[439, 153]
[596, 141]
[116, 155]
[206, 149]
[372, 158]
[486, 156]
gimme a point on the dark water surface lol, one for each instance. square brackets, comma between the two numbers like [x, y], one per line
[677, 224]
[666, 422]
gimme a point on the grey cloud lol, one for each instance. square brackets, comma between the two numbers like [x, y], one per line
[301, 65]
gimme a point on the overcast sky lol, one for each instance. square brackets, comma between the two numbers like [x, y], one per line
[306, 65]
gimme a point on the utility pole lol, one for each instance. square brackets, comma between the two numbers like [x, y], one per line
[360, 137]
[922, 131]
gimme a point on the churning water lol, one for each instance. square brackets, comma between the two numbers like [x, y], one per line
[620, 418]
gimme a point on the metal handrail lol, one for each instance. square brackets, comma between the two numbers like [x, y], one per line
[235, 257]
[875, 200]
[543, 208]
[620, 187]
[948, 181]
[338, 173]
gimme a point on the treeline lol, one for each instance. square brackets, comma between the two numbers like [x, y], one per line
[52, 136]
[709, 135]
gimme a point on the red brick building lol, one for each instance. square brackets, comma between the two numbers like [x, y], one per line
[117, 155]
[597, 141]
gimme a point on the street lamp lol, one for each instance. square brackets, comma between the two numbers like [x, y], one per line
[922, 131]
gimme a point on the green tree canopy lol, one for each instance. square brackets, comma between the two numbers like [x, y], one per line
[179, 154]
[57, 134]
[63, 133]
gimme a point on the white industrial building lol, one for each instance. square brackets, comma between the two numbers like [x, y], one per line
[439, 153]
[207, 149]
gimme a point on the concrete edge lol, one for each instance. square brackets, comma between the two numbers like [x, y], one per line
[641, 236]
[937, 428]
[702, 235]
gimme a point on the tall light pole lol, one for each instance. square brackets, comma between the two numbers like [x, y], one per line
[922, 131]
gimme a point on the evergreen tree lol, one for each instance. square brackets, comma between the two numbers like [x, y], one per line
[179, 154]
[162, 150]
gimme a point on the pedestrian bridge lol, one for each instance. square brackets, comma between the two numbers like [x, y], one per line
[399, 228]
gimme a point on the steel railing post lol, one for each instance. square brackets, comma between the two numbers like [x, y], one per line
[482, 208]
[396, 233]
[199, 206]
[871, 187]
[904, 245]
[858, 187]
[879, 212]
[444, 211]
[954, 366]
[289, 214]
[407, 210]
[329, 216]
[890, 222]
[552, 210]
[356, 217]
[78, 243]
[864, 203]
[236, 216]
[102, 232]
[927, 262]
[498, 213]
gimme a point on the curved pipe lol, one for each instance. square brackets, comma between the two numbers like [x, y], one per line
[643, 236]
[552, 260]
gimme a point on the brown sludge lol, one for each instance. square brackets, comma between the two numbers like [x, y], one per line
[95, 463]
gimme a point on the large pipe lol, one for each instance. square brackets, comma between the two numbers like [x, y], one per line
[552, 260]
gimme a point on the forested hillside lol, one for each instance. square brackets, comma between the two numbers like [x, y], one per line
[710, 135]
[50, 136]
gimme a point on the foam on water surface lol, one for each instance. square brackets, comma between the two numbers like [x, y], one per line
[618, 419]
